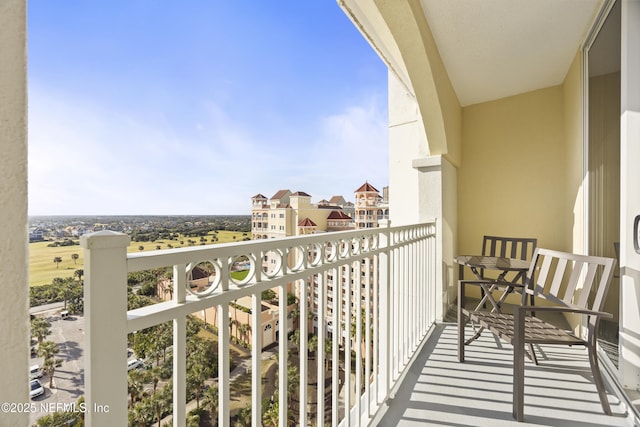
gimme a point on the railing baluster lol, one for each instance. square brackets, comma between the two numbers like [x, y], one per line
[179, 348]
[396, 274]
[256, 359]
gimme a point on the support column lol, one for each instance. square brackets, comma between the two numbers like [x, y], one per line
[437, 193]
[105, 311]
[14, 312]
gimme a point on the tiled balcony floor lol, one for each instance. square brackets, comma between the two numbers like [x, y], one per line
[439, 391]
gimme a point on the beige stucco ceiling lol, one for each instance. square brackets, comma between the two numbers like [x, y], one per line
[497, 48]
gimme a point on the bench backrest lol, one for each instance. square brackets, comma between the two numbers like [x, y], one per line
[509, 247]
[578, 280]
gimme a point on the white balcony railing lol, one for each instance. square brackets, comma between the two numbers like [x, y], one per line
[399, 293]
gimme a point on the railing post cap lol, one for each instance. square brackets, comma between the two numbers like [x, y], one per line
[105, 239]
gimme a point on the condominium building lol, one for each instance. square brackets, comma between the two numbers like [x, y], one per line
[292, 214]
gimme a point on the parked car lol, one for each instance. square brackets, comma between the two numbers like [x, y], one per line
[35, 389]
[35, 371]
[135, 364]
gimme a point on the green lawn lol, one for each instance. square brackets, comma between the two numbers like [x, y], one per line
[42, 269]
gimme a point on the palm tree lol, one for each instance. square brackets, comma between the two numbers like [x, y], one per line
[195, 378]
[313, 344]
[210, 402]
[142, 414]
[75, 257]
[158, 403]
[270, 416]
[79, 273]
[295, 338]
[293, 381]
[57, 260]
[243, 417]
[40, 328]
[328, 349]
[135, 385]
[49, 350]
[63, 288]
[156, 375]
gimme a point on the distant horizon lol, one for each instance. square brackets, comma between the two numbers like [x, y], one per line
[136, 215]
[193, 108]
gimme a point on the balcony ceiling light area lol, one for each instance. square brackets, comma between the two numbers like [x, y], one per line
[497, 48]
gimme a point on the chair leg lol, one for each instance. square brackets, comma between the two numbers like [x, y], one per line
[518, 365]
[597, 379]
[532, 354]
[461, 322]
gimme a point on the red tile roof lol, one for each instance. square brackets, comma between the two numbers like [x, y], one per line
[338, 215]
[366, 187]
[301, 193]
[280, 194]
[259, 196]
[307, 223]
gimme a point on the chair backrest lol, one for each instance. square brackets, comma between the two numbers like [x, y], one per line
[578, 280]
[509, 247]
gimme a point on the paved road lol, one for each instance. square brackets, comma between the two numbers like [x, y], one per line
[68, 381]
[48, 309]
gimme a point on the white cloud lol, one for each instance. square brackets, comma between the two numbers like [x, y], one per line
[85, 158]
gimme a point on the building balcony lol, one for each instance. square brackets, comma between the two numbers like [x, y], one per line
[403, 368]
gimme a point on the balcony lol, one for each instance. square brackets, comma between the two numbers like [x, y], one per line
[403, 368]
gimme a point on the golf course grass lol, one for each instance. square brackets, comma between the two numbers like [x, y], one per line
[42, 268]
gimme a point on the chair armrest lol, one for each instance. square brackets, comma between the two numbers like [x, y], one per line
[567, 309]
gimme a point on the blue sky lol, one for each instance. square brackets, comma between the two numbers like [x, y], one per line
[193, 107]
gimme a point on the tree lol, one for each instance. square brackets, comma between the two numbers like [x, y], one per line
[75, 257]
[135, 384]
[158, 403]
[199, 366]
[295, 338]
[79, 273]
[57, 260]
[313, 344]
[270, 416]
[141, 414]
[293, 381]
[155, 374]
[328, 349]
[210, 403]
[49, 350]
[63, 288]
[243, 417]
[40, 328]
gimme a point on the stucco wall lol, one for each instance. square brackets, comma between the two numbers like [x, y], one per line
[14, 313]
[512, 179]
[407, 141]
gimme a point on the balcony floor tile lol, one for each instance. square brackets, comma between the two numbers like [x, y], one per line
[440, 391]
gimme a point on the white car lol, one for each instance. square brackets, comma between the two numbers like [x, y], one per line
[35, 389]
[35, 371]
[135, 364]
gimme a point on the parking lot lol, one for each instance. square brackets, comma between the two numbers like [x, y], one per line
[68, 381]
